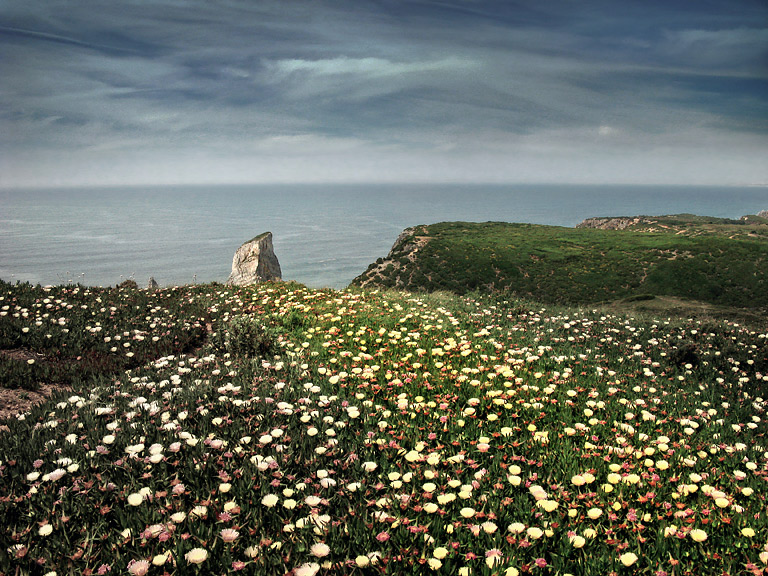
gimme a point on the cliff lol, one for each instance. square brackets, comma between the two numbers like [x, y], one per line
[619, 223]
[255, 261]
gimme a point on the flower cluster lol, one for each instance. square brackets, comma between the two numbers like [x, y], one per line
[393, 433]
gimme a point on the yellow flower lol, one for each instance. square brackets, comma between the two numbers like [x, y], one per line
[548, 505]
[534, 533]
[578, 541]
[45, 530]
[362, 561]
[161, 559]
[594, 513]
[467, 512]
[698, 535]
[434, 563]
[747, 532]
[628, 558]
[516, 527]
[440, 552]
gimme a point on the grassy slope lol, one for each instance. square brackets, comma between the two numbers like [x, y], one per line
[721, 263]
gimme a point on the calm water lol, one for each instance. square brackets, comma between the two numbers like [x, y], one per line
[323, 235]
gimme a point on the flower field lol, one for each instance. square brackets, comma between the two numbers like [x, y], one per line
[275, 429]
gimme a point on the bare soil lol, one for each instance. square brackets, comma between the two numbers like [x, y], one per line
[15, 401]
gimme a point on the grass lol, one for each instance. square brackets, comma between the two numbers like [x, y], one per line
[693, 258]
[305, 431]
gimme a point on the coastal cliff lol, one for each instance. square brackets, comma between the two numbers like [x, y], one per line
[255, 261]
[613, 223]
[713, 260]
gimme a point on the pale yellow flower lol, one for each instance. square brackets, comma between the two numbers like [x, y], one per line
[362, 561]
[135, 499]
[594, 513]
[196, 556]
[628, 558]
[698, 535]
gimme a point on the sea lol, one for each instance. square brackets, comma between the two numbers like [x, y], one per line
[323, 235]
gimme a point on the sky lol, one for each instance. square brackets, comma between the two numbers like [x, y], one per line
[136, 92]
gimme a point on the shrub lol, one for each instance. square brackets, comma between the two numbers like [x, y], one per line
[244, 336]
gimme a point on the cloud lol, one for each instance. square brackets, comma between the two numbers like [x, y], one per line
[368, 67]
[238, 90]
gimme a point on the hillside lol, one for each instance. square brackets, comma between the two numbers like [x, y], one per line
[716, 261]
[305, 432]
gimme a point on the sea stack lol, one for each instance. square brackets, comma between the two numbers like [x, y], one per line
[254, 262]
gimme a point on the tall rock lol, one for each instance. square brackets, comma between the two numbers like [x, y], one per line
[254, 262]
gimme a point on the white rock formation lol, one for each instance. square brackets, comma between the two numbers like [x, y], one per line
[254, 262]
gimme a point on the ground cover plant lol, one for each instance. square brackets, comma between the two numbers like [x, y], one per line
[711, 260]
[68, 334]
[367, 432]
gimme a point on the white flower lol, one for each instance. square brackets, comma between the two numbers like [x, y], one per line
[270, 500]
[196, 556]
[320, 550]
[135, 499]
[308, 569]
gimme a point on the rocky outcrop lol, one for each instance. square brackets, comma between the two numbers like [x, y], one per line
[254, 262]
[611, 223]
[763, 214]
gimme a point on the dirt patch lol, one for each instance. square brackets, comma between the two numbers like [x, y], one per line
[14, 401]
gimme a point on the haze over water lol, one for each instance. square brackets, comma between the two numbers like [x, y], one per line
[324, 235]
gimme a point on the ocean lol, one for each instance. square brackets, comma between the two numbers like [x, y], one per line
[324, 235]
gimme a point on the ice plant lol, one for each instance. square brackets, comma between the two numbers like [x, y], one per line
[196, 556]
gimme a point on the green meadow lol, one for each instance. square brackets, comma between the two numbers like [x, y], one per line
[720, 262]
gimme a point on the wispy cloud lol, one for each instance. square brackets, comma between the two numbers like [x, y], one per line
[421, 90]
[368, 67]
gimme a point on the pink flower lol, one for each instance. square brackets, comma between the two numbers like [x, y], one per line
[541, 562]
[229, 534]
[382, 536]
[138, 567]
[179, 489]
[493, 557]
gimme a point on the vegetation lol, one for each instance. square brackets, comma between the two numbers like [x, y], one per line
[717, 261]
[68, 335]
[275, 429]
